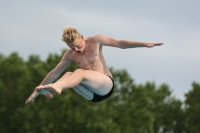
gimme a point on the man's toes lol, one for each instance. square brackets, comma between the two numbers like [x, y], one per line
[49, 86]
[40, 88]
[30, 99]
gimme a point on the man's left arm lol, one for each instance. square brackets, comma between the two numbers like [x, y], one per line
[123, 44]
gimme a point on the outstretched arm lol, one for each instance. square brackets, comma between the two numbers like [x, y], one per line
[51, 76]
[106, 41]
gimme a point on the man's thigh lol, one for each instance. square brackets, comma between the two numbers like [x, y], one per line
[85, 92]
[96, 82]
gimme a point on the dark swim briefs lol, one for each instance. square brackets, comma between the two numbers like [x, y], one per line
[99, 98]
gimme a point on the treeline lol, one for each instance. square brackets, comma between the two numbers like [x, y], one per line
[133, 108]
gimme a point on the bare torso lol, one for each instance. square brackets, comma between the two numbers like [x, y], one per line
[91, 58]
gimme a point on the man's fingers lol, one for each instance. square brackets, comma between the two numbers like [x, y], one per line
[158, 44]
[32, 97]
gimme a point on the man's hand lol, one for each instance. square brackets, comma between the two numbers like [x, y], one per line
[150, 45]
[49, 94]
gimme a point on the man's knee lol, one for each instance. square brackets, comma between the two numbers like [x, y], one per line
[79, 70]
[68, 73]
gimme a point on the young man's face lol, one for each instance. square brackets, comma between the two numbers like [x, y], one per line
[78, 45]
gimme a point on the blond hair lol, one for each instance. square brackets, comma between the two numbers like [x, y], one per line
[70, 34]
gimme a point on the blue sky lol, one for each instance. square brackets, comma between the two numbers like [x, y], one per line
[35, 27]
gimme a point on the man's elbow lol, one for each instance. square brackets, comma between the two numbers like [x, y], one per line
[121, 45]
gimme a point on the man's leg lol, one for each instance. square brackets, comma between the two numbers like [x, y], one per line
[84, 91]
[49, 94]
[81, 89]
[94, 81]
[64, 76]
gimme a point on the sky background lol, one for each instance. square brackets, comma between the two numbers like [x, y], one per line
[35, 27]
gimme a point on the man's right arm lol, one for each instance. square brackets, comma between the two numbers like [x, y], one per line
[55, 73]
[51, 76]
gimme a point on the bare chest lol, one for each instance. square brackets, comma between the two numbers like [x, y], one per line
[89, 59]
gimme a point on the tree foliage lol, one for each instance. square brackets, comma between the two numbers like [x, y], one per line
[192, 105]
[133, 108]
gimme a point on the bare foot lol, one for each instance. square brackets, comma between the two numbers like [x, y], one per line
[56, 87]
[49, 94]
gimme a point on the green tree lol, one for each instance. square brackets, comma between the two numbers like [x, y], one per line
[133, 108]
[168, 113]
[192, 109]
[14, 79]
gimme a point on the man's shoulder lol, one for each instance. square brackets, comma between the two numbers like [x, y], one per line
[68, 53]
[97, 38]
